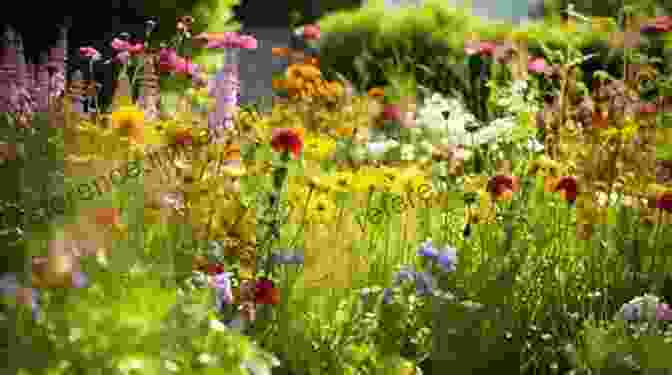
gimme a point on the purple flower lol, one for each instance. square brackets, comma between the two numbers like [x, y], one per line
[424, 283]
[427, 250]
[223, 293]
[80, 280]
[447, 260]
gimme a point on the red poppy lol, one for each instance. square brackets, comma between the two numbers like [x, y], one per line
[502, 187]
[567, 187]
[266, 293]
[287, 139]
[664, 201]
[213, 269]
[311, 32]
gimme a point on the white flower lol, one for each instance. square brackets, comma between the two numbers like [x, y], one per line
[407, 152]
[171, 366]
[206, 358]
[217, 325]
[533, 145]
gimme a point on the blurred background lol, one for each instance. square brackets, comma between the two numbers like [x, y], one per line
[268, 20]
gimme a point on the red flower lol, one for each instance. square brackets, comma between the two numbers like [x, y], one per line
[311, 32]
[567, 187]
[502, 187]
[391, 112]
[213, 269]
[287, 139]
[664, 201]
[661, 24]
[266, 293]
[184, 137]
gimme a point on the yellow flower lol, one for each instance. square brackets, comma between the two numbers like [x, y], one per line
[318, 148]
[321, 210]
[341, 181]
[129, 121]
[364, 182]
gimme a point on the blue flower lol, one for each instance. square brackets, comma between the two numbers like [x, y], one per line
[447, 260]
[427, 250]
[424, 283]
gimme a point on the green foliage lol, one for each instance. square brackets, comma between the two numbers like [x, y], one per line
[432, 34]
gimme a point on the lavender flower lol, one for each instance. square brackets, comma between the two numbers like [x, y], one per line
[223, 292]
[447, 260]
[424, 283]
[427, 250]
[10, 287]
[406, 273]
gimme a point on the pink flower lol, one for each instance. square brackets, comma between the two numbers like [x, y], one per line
[537, 65]
[122, 57]
[481, 48]
[392, 112]
[167, 60]
[311, 32]
[663, 312]
[248, 42]
[120, 45]
[228, 39]
[90, 53]
[136, 49]
[408, 120]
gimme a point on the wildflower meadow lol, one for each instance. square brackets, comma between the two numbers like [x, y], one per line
[429, 192]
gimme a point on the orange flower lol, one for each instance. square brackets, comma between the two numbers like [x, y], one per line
[279, 84]
[303, 71]
[107, 216]
[550, 182]
[502, 187]
[130, 122]
[600, 119]
[345, 131]
[314, 61]
[376, 92]
[280, 51]
[288, 140]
